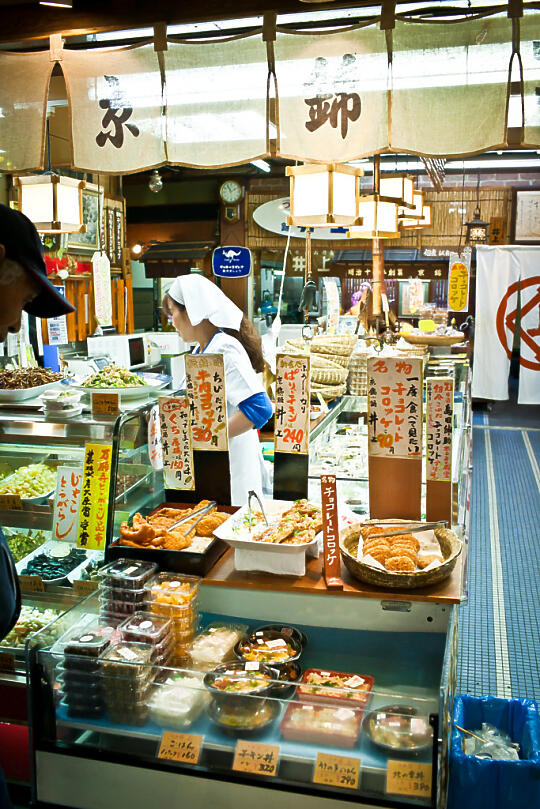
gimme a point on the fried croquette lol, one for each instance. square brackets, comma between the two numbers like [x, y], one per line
[427, 559]
[408, 538]
[400, 564]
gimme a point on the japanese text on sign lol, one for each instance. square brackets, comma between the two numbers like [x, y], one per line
[292, 404]
[395, 407]
[32, 583]
[332, 558]
[182, 747]
[176, 446]
[155, 448]
[67, 503]
[458, 281]
[118, 111]
[439, 418]
[205, 384]
[408, 778]
[10, 502]
[260, 759]
[105, 404]
[337, 108]
[94, 496]
[337, 771]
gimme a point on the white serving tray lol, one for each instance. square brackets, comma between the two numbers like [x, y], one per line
[47, 546]
[20, 394]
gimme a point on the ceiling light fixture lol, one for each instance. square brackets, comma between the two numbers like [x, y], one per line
[155, 183]
[324, 194]
[477, 230]
[57, 3]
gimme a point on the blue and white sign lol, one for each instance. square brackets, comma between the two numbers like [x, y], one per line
[231, 262]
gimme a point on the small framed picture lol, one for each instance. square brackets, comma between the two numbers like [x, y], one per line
[525, 222]
[92, 206]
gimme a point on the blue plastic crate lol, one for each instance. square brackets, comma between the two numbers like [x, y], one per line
[476, 783]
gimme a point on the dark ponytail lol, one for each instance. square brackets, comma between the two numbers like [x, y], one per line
[251, 341]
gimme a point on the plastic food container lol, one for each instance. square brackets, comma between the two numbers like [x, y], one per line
[127, 574]
[89, 643]
[120, 607]
[284, 629]
[316, 724]
[335, 687]
[183, 616]
[111, 619]
[146, 627]
[127, 660]
[114, 594]
[272, 648]
[235, 684]
[179, 701]
[135, 713]
[215, 645]
[172, 588]
[82, 711]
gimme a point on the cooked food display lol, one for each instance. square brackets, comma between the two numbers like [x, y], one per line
[236, 679]
[112, 376]
[268, 647]
[335, 686]
[296, 526]
[399, 727]
[215, 645]
[22, 378]
[178, 701]
[252, 716]
[34, 480]
[49, 567]
[31, 620]
[21, 544]
[153, 531]
[398, 554]
[316, 724]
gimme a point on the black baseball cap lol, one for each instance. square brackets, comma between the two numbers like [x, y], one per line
[22, 243]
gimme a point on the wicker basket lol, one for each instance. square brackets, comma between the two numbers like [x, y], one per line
[357, 381]
[338, 359]
[342, 344]
[433, 339]
[450, 544]
[329, 376]
[328, 392]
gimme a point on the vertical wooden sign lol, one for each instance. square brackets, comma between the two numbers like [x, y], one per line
[332, 556]
[205, 385]
[439, 422]
[178, 472]
[395, 437]
[291, 432]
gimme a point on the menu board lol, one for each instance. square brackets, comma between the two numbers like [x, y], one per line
[67, 503]
[395, 407]
[439, 418]
[205, 384]
[94, 496]
[292, 404]
[176, 445]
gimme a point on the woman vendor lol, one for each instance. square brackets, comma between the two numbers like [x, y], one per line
[202, 313]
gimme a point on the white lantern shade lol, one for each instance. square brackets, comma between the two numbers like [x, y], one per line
[415, 224]
[417, 211]
[399, 189]
[322, 195]
[52, 203]
[379, 220]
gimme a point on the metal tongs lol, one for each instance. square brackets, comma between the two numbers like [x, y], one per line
[414, 528]
[254, 494]
[199, 514]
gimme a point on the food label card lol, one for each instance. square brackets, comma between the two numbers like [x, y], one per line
[105, 404]
[67, 503]
[33, 584]
[176, 446]
[94, 496]
[439, 418]
[252, 757]
[337, 771]
[292, 404]
[10, 502]
[408, 778]
[395, 407]
[332, 559]
[205, 384]
[183, 747]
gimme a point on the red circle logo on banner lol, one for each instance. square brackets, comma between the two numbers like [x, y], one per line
[506, 323]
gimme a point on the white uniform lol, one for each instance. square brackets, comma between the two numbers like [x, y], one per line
[241, 382]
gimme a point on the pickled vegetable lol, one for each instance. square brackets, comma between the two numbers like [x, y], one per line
[34, 480]
[21, 544]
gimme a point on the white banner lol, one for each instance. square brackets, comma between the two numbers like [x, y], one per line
[101, 267]
[529, 346]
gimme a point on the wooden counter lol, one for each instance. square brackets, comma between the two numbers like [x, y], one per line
[223, 574]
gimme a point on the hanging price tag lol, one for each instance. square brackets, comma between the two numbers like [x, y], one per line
[336, 771]
[32, 583]
[10, 502]
[408, 778]
[259, 759]
[105, 404]
[332, 558]
[183, 747]
[84, 588]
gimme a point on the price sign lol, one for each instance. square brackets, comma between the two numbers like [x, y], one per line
[332, 558]
[408, 778]
[439, 419]
[7, 662]
[205, 385]
[292, 404]
[395, 407]
[32, 583]
[176, 446]
[459, 271]
[67, 503]
[94, 496]
[84, 588]
[336, 771]
[10, 502]
[259, 759]
[105, 404]
[182, 747]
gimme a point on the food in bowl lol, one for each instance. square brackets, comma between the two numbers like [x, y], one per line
[268, 647]
[399, 727]
[113, 376]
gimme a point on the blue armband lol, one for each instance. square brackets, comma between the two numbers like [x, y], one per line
[257, 408]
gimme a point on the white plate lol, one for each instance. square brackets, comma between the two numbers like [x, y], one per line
[19, 395]
[132, 392]
[236, 533]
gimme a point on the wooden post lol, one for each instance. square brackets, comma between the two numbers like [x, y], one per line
[378, 275]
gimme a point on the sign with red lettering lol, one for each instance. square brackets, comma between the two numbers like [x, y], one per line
[205, 384]
[395, 407]
[332, 558]
[66, 504]
[155, 449]
[178, 472]
[439, 419]
[292, 404]
[96, 480]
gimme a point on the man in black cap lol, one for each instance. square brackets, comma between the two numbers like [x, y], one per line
[23, 276]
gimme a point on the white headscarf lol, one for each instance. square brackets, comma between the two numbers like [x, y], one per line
[205, 301]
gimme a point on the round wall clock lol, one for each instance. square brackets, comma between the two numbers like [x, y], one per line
[231, 192]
